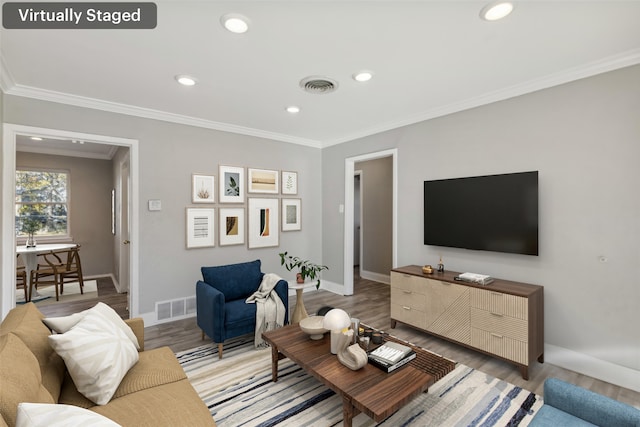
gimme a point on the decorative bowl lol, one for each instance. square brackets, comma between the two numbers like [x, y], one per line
[313, 326]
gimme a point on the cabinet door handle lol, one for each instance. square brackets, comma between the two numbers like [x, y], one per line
[498, 294]
[406, 308]
[497, 314]
[496, 335]
[407, 292]
[406, 275]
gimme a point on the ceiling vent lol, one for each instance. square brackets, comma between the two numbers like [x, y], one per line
[318, 85]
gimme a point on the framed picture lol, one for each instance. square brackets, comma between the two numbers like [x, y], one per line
[263, 223]
[291, 214]
[202, 188]
[231, 229]
[289, 182]
[231, 184]
[200, 228]
[263, 181]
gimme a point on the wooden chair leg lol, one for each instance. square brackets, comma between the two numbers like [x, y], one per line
[219, 350]
[202, 335]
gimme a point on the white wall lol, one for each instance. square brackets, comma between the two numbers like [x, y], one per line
[169, 154]
[583, 137]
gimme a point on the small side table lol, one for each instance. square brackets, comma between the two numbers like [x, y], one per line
[300, 312]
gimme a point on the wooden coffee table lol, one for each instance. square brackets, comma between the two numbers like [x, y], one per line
[368, 390]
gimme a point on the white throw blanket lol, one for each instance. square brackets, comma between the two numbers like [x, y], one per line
[270, 310]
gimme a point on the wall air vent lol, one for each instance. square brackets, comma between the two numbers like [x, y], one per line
[318, 85]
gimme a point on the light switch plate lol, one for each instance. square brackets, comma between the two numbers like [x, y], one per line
[155, 205]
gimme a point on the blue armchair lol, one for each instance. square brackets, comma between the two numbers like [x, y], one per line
[220, 299]
[569, 405]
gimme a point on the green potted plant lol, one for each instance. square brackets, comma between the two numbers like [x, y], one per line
[30, 226]
[306, 269]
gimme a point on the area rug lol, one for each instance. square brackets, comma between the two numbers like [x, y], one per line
[239, 392]
[47, 295]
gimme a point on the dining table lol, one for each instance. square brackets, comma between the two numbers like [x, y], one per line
[30, 254]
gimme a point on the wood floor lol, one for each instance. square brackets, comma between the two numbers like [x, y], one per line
[370, 303]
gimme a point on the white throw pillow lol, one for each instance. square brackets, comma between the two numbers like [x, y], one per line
[97, 354]
[58, 415]
[63, 324]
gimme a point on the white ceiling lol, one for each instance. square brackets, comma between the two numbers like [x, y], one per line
[429, 58]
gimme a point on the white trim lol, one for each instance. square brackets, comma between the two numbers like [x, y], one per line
[131, 110]
[10, 132]
[349, 171]
[615, 62]
[593, 367]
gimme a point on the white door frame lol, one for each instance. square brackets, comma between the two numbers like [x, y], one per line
[10, 133]
[349, 170]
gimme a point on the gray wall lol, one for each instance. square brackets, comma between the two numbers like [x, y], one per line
[377, 192]
[90, 183]
[169, 153]
[583, 139]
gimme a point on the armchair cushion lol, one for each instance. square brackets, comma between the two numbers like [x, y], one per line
[235, 281]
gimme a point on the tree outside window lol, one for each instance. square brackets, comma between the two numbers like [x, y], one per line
[41, 203]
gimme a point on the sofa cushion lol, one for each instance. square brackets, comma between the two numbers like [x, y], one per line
[25, 321]
[97, 355]
[54, 415]
[65, 323]
[235, 281]
[21, 379]
[548, 416]
[174, 404]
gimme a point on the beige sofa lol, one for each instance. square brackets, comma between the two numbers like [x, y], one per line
[155, 391]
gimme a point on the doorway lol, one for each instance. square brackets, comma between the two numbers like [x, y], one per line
[349, 213]
[10, 135]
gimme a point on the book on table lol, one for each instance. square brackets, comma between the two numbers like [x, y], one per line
[390, 356]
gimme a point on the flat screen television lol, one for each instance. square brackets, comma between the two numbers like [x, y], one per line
[496, 213]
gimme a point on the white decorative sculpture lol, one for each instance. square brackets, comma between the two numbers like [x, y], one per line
[352, 356]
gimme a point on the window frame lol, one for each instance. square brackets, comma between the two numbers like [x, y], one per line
[50, 238]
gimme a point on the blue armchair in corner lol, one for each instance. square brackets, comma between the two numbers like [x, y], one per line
[220, 300]
[569, 405]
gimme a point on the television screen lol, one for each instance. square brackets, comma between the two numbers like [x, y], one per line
[492, 213]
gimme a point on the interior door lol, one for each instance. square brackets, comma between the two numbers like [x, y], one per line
[123, 271]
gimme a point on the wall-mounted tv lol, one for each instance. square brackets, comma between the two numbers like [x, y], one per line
[496, 213]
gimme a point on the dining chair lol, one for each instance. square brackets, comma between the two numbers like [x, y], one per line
[21, 279]
[59, 267]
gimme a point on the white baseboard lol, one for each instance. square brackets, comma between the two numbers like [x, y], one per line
[596, 368]
[376, 277]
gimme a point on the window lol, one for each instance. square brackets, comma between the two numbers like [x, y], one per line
[42, 203]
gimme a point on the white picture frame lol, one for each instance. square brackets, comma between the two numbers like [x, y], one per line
[263, 181]
[264, 230]
[200, 227]
[232, 184]
[203, 188]
[291, 214]
[289, 182]
[231, 226]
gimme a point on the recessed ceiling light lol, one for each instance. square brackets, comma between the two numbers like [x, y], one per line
[496, 10]
[185, 80]
[363, 76]
[36, 138]
[293, 109]
[235, 23]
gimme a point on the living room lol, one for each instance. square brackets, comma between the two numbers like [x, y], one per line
[581, 135]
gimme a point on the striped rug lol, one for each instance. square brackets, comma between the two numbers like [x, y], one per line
[239, 392]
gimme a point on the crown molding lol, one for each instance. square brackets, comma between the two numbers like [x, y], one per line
[622, 60]
[625, 59]
[130, 110]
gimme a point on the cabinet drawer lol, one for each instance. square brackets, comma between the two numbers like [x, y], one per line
[500, 345]
[408, 282]
[499, 324]
[406, 314]
[499, 303]
[408, 298]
